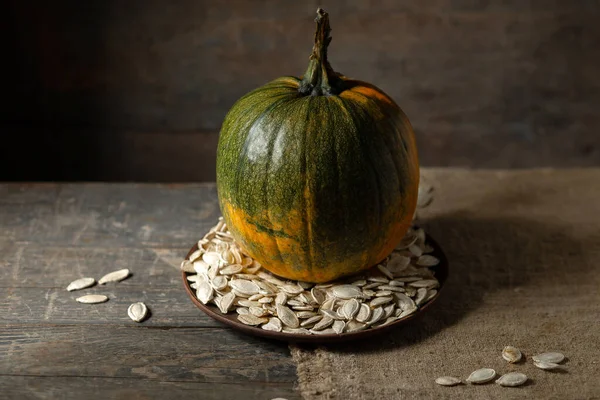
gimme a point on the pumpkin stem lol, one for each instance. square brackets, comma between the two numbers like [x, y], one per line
[320, 79]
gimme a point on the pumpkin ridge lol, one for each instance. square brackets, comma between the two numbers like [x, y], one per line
[306, 191]
[392, 125]
[343, 195]
[356, 125]
[269, 160]
[243, 154]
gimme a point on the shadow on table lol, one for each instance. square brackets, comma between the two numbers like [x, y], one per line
[485, 255]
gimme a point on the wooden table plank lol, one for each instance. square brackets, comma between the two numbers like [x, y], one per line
[168, 307]
[104, 215]
[195, 355]
[77, 388]
[49, 266]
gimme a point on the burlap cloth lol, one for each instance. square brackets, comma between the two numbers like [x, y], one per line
[524, 253]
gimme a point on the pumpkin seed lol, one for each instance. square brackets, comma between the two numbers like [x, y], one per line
[547, 365]
[482, 375]
[555, 358]
[249, 303]
[196, 255]
[397, 263]
[204, 292]
[323, 323]
[364, 313]
[187, 266]
[281, 298]
[512, 379]
[328, 304]
[388, 310]
[383, 293]
[255, 297]
[241, 310]
[421, 295]
[397, 289]
[258, 311]
[227, 257]
[350, 308]
[81, 283]
[511, 354]
[376, 315]
[346, 291]
[92, 299]
[211, 258]
[231, 269]
[396, 283]
[404, 302]
[355, 326]
[448, 381]
[287, 316]
[249, 319]
[226, 302]
[408, 312]
[385, 271]
[219, 282]
[425, 283]
[274, 325]
[265, 300]
[115, 276]
[311, 321]
[305, 314]
[360, 282]
[292, 289]
[378, 279]
[318, 294]
[380, 301]
[329, 313]
[201, 267]
[303, 308]
[368, 294]
[415, 250]
[427, 261]
[137, 311]
[371, 285]
[338, 326]
[244, 286]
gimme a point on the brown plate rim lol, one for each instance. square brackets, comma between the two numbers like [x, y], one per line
[440, 270]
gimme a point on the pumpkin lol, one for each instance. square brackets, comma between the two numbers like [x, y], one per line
[317, 176]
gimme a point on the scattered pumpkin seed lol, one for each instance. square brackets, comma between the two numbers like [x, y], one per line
[115, 276]
[512, 379]
[482, 375]
[511, 354]
[448, 381]
[137, 311]
[92, 299]
[81, 283]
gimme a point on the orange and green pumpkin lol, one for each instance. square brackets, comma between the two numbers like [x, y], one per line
[317, 176]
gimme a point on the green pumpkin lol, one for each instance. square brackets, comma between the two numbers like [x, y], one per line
[317, 176]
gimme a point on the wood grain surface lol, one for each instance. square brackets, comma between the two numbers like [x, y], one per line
[53, 347]
[137, 90]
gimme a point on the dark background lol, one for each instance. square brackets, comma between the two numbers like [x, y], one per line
[137, 90]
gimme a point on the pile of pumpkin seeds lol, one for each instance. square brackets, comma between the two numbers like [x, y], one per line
[223, 275]
[545, 361]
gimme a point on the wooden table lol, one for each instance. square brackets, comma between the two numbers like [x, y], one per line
[53, 347]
